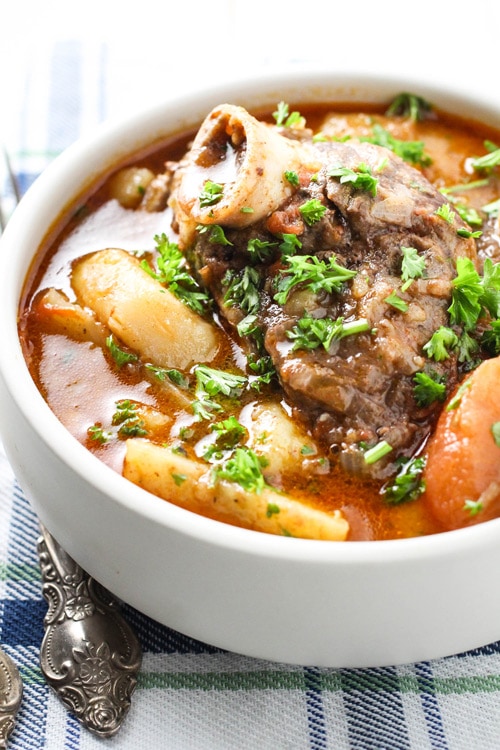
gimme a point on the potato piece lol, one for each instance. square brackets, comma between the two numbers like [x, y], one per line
[59, 315]
[188, 483]
[294, 448]
[141, 312]
[129, 185]
[463, 460]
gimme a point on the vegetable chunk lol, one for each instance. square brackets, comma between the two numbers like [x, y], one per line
[463, 463]
[141, 312]
[189, 484]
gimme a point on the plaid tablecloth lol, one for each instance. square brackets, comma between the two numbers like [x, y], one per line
[191, 696]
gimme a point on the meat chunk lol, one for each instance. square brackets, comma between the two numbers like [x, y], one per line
[370, 207]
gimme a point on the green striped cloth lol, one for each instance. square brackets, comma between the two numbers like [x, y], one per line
[190, 695]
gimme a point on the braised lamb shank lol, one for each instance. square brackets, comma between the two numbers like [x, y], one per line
[286, 203]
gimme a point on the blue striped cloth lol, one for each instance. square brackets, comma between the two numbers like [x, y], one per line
[192, 696]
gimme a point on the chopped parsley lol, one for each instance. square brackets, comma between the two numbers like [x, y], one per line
[412, 266]
[245, 468]
[411, 151]
[446, 212]
[429, 387]
[440, 343]
[394, 300]
[212, 382]
[286, 119]
[310, 332]
[211, 194]
[172, 272]
[260, 250]
[314, 274]
[473, 507]
[242, 289]
[408, 483]
[467, 291]
[408, 105]
[216, 235]
[175, 376]
[360, 178]
[312, 211]
[292, 177]
[376, 452]
[98, 434]
[120, 356]
[489, 161]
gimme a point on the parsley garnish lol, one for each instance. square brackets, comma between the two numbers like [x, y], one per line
[171, 271]
[440, 343]
[244, 468]
[260, 250]
[215, 233]
[120, 356]
[412, 266]
[409, 105]
[473, 507]
[446, 212]
[312, 211]
[212, 382]
[429, 387]
[376, 452]
[360, 177]
[228, 434]
[465, 307]
[410, 151]
[211, 194]
[96, 432]
[175, 376]
[316, 275]
[408, 483]
[128, 417]
[488, 161]
[395, 301]
[285, 118]
[310, 333]
[292, 177]
[290, 243]
[242, 289]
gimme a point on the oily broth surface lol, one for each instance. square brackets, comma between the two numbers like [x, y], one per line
[82, 385]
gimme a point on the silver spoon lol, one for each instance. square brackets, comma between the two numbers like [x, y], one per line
[90, 656]
[11, 693]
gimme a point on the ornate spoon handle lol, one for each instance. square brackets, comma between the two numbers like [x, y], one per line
[89, 655]
[11, 693]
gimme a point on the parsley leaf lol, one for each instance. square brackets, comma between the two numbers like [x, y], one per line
[412, 265]
[316, 275]
[242, 289]
[211, 194]
[285, 118]
[414, 107]
[172, 272]
[411, 151]
[244, 468]
[429, 387]
[360, 177]
[120, 356]
[408, 483]
[312, 211]
[310, 333]
[440, 343]
[467, 291]
[212, 382]
[394, 300]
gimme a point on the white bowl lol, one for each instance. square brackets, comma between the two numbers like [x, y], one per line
[306, 602]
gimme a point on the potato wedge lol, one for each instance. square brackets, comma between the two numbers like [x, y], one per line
[141, 312]
[189, 484]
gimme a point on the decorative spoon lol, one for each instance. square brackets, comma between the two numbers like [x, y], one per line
[11, 693]
[89, 655]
